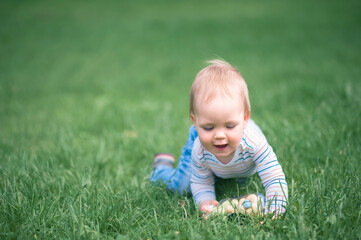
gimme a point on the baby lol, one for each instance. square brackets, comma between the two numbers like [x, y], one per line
[223, 142]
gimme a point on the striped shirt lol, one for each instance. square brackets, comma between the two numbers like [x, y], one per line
[253, 154]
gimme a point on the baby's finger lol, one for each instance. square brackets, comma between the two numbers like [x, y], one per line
[207, 209]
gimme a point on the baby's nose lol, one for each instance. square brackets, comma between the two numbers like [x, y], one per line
[220, 135]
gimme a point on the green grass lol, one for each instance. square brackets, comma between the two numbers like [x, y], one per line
[90, 91]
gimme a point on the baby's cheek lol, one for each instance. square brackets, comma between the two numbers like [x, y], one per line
[235, 139]
[205, 140]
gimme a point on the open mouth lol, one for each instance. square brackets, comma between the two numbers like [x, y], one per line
[221, 147]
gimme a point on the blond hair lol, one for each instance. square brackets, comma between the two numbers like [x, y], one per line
[218, 78]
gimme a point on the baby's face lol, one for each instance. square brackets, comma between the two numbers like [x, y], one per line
[220, 124]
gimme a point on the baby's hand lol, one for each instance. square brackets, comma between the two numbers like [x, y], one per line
[207, 206]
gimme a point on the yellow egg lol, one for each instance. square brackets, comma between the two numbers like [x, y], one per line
[229, 209]
[226, 203]
[234, 202]
[220, 210]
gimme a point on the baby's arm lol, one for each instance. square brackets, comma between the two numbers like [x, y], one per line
[272, 177]
[202, 181]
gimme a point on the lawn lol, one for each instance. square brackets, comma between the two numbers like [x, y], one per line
[90, 91]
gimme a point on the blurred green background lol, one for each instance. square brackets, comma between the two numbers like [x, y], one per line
[90, 91]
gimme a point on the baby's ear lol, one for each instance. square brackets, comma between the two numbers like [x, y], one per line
[193, 118]
[246, 118]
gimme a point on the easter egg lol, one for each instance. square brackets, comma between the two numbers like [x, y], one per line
[226, 203]
[255, 207]
[247, 204]
[252, 197]
[249, 210]
[220, 210]
[234, 202]
[241, 209]
[229, 209]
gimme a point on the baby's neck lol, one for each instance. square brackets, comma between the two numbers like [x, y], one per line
[227, 159]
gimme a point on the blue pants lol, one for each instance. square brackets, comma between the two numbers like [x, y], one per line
[177, 180]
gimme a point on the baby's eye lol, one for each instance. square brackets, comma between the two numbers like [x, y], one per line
[230, 126]
[207, 128]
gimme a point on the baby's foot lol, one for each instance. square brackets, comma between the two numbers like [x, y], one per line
[163, 159]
